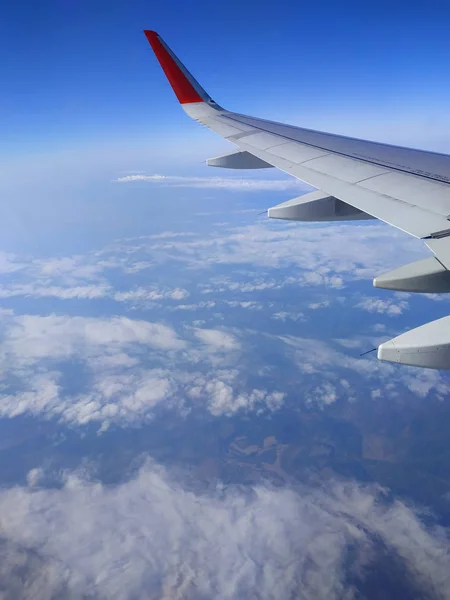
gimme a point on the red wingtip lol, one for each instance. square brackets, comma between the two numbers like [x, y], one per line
[174, 70]
[150, 34]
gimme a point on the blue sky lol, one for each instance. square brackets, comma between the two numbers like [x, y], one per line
[82, 73]
[84, 100]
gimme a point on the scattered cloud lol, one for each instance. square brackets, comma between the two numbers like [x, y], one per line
[10, 263]
[422, 381]
[349, 343]
[288, 316]
[314, 253]
[392, 308]
[69, 269]
[144, 294]
[115, 382]
[33, 337]
[91, 292]
[224, 183]
[222, 399]
[317, 305]
[121, 354]
[126, 369]
[129, 395]
[248, 304]
[216, 339]
[226, 284]
[79, 292]
[323, 362]
[193, 307]
[316, 249]
[323, 395]
[315, 278]
[314, 356]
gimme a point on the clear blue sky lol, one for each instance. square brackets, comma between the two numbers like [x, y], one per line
[82, 72]
[83, 99]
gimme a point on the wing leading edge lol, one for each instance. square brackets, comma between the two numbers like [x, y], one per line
[407, 188]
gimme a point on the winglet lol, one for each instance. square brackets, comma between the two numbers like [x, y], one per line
[186, 88]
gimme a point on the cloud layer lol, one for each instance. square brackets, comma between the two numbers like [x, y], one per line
[222, 183]
[126, 369]
[153, 537]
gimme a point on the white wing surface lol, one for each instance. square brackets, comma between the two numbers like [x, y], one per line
[407, 188]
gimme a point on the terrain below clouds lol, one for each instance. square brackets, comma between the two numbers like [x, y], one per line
[185, 414]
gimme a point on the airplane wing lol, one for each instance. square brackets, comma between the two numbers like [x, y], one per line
[355, 179]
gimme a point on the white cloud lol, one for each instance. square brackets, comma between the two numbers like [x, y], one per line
[127, 397]
[317, 305]
[317, 358]
[314, 252]
[249, 304]
[348, 343]
[151, 536]
[313, 248]
[69, 268]
[422, 381]
[33, 337]
[287, 316]
[79, 292]
[128, 368]
[224, 284]
[140, 294]
[216, 339]
[199, 305]
[10, 263]
[323, 395]
[224, 394]
[227, 183]
[41, 396]
[116, 394]
[34, 476]
[92, 291]
[315, 278]
[137, 349]
[222, 400]
[120, 387]
[389, 307]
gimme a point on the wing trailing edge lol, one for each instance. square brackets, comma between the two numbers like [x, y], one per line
[317, 206]
[239, 159]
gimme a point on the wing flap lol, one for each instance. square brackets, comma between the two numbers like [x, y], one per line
[316, 206]
[238, 160]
